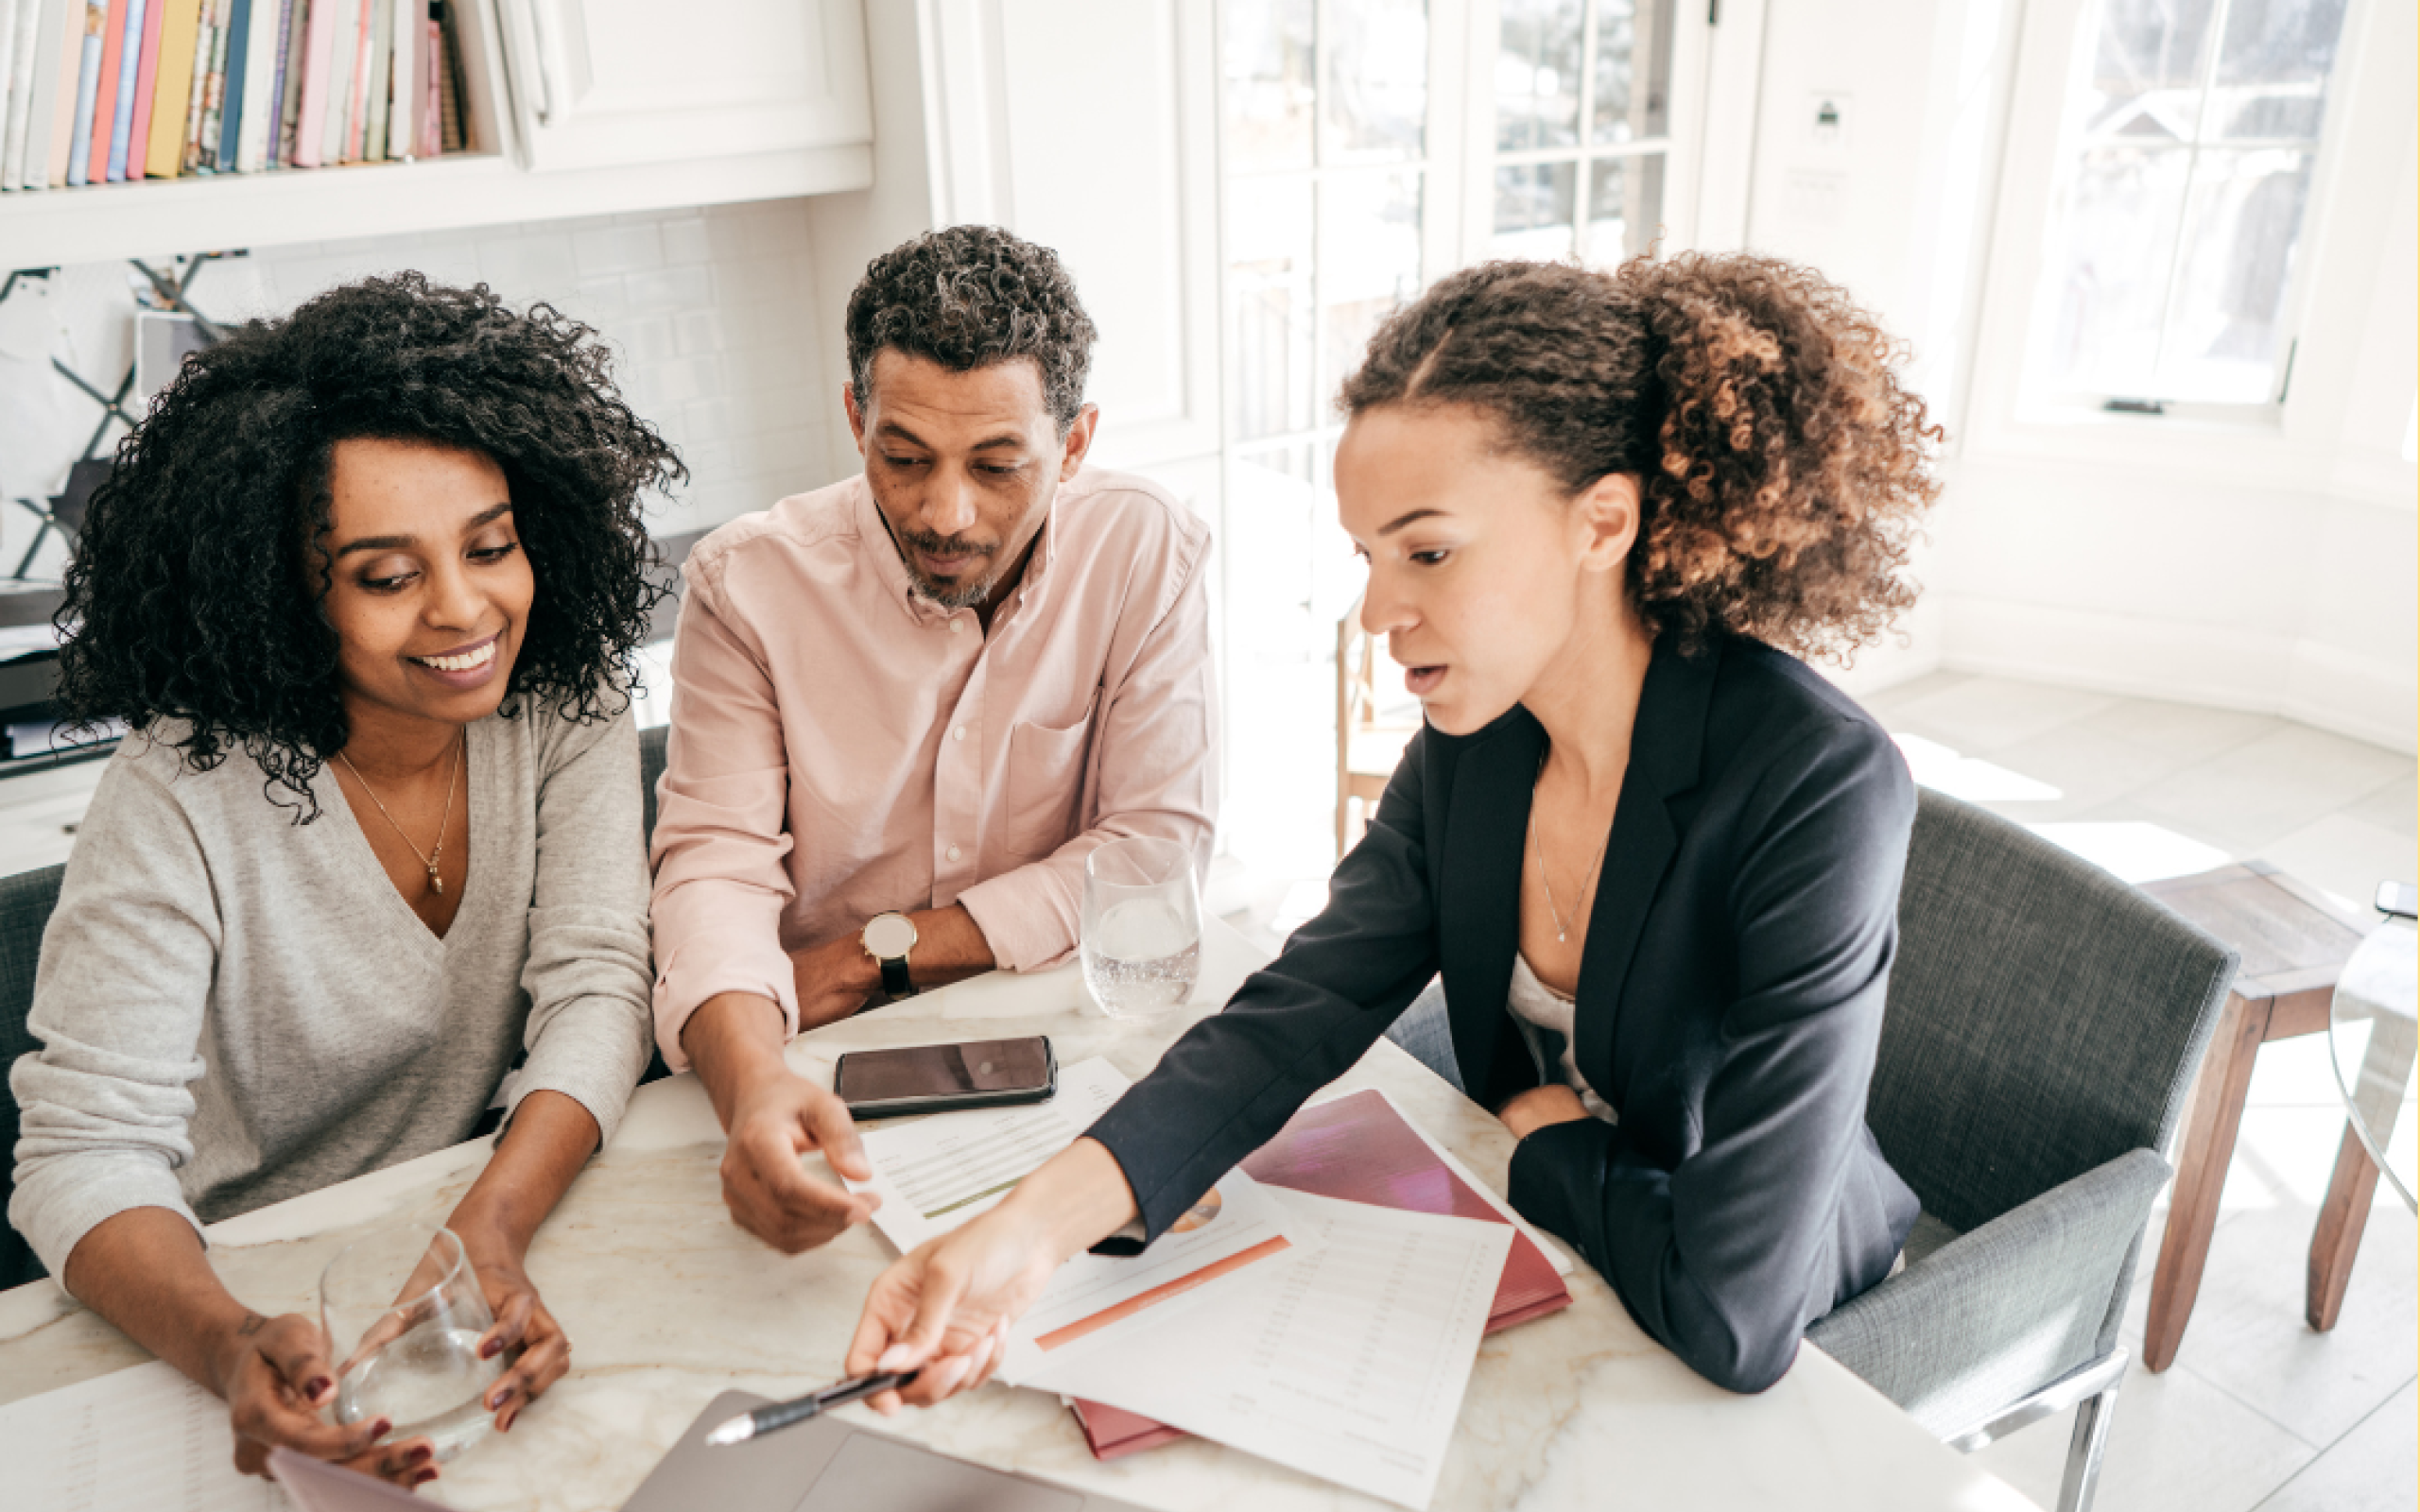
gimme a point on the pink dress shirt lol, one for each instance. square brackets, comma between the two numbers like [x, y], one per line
[841, 746]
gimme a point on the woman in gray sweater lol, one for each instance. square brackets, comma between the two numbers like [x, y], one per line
[365, 584]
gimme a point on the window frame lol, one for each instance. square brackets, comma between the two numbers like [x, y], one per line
[2014, 410]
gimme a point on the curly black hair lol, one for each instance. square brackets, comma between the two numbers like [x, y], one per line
[967, 297]
[198, 584]
[1783, 471]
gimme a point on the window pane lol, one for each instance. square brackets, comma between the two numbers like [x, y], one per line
[1625, 207]
[1269, 379]
[1537, 75]
[2111, 276]
[2241, 219]
[1533, 212]
[1377, 90]
[1369, 264]
[2147, 71]
[1266, 52]
[1633, 69]
[2273, 69]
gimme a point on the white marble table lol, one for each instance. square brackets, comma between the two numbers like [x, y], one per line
[667, 1304]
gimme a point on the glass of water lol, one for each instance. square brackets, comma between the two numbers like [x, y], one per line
[404, 1315]
[1142, 944]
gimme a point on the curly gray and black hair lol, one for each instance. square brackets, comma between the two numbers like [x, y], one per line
[967, 297]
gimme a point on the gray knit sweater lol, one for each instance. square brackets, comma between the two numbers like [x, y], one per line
[234, 1008]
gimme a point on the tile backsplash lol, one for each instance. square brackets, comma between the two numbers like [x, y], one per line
[711, 312]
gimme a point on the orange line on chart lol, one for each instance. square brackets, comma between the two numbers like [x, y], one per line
[1121, 1311]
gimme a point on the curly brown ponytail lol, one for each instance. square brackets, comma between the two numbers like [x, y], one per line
[1782, 470]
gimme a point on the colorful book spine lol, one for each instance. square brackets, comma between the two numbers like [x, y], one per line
[130, 68]
[205, 48]
[96, 168]
[283, 81]
[260, 87]
[70, 63]
[146, 86]
[314, 106]
[205, 142]
[432, 121]
[357, 103]
[382, 39]
[348, 33]
[25, 31]
[403, 136]
[231, 96]
[88, 84]
[180, 36]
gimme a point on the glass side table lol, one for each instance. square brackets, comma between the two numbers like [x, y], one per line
[2374, 1041]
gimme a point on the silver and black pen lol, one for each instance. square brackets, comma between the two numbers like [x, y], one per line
[763, 1420]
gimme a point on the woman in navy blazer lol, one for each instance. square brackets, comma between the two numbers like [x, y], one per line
[1656, 859]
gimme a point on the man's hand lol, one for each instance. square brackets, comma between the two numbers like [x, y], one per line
[833, 979]
[1534, 1109]
[776, 1119]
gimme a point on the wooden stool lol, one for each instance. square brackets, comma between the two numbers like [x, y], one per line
[2294, 942]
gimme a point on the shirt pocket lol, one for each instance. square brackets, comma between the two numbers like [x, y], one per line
[1046, 782]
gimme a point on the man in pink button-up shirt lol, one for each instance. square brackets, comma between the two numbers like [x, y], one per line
[930, 690]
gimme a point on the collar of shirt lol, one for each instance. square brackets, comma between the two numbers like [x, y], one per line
[891, 563]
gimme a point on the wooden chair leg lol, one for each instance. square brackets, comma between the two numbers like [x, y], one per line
[2202, 1174]
[2338, 1237]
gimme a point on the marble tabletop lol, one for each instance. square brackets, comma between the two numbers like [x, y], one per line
[667, 1304]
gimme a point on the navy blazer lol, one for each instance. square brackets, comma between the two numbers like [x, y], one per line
[1729, 1004]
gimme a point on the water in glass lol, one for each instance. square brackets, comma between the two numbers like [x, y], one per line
[1142, 940]
[403, 1315]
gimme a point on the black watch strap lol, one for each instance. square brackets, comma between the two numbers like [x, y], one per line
[894, 977]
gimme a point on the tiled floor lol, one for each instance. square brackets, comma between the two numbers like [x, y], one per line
[2259, 1411]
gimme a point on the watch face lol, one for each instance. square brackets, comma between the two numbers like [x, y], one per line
[889, 937]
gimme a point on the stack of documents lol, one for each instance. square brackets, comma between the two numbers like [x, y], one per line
[142, 1440]
[1324, 1315]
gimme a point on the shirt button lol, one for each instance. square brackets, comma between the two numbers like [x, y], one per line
[960, 734]
[953, 852]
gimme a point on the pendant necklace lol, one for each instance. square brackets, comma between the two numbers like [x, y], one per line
[1562, 929]
[436, 884]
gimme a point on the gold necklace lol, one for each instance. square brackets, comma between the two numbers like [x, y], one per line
[436, 884]
[1561, 930]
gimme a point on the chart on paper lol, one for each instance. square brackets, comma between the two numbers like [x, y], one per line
[142, 1440]
[939, 1171]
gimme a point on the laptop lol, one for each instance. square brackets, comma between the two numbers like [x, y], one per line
[823, 1465]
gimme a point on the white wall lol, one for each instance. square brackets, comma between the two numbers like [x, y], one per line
[2269, 569]
[716, 314]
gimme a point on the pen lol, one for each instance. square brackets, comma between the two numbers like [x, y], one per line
[748, 1425]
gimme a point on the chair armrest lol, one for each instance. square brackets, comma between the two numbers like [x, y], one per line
[2005, 1309]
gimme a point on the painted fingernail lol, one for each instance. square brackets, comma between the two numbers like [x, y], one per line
[425, 1476]
[320, 1386]
[499, 1397]
[382, 1428]
[490, 1349]
[419, 1456]
[504, 1424]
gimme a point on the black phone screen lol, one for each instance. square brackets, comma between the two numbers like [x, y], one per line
[920, 1072]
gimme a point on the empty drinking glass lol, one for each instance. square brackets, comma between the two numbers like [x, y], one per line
[1142, 944]
[403, 1315]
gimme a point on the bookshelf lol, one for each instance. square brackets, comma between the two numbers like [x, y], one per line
[561, 120]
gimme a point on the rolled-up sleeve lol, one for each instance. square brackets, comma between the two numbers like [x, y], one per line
[588, 1030]
[118, 999]
[722, 839]
[1158, 766]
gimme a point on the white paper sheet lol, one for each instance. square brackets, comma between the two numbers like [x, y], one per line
[1347, 1360]
[942, 1172]
[143, 1439]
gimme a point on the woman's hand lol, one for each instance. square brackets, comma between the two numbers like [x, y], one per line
[1553, 1102]
[275, 1374]
[525, 1333]
[944, 1309]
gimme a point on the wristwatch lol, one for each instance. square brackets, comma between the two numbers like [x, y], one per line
[889, 938]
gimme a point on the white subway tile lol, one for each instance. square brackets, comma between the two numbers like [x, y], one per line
[617, 250]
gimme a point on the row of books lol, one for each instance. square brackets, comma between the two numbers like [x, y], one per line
[118, 91]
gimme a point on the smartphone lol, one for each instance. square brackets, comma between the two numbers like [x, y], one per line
[940, 1078]
[2398, 899]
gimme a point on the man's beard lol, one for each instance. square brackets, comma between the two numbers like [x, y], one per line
[964, 594]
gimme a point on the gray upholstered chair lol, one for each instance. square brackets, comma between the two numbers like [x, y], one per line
[26, 903]
[650, 767]
[2044, 1024]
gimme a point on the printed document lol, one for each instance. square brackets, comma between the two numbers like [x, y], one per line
[1346, 1358]
[940, 1172]
[142, 1440]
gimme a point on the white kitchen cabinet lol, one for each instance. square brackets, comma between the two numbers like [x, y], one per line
[600, 83]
